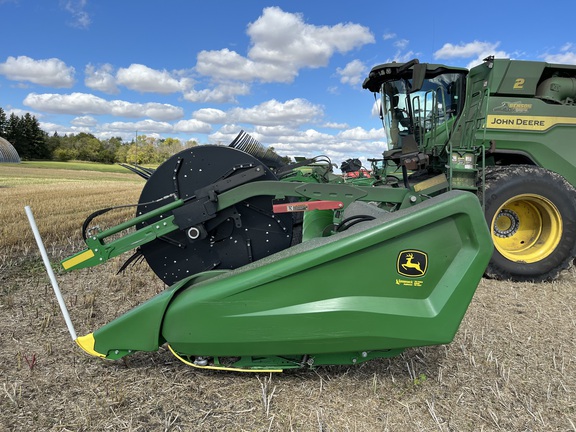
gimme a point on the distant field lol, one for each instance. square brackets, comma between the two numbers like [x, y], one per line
[63, 171]
[60, 199]
[511, 366]
[76, 166]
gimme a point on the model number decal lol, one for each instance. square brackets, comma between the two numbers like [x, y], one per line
[519, 83]
[414, 283]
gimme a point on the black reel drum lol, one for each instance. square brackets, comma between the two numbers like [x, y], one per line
[236, 236]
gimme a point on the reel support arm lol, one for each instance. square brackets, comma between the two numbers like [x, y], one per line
[99, 252]
[183, 214]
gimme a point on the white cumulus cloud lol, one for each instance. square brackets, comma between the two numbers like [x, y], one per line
[192, 126]
[209, 115]
[477, 49]
[281, 44]
[465, 50]
[222, 93]
[84, 121]
[147, 126]
[333, 125]
[275, 113]
[49, 72]
[101, 79]
[353, 73]
[83, 103]
[144, 79]
[361, 134]
[566, 55]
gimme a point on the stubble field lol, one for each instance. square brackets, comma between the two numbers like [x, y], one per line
[511, 367]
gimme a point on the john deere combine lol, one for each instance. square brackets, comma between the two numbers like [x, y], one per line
[503, 130]
[274, 266]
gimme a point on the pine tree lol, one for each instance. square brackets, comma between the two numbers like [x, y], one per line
[35, 138]
[14, 136]
[3, 124]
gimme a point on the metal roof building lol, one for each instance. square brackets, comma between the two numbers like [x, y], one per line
[7, 152]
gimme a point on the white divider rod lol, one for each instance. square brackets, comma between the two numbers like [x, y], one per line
[50, 272]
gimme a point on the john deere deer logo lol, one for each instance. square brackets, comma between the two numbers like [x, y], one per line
[412, 263]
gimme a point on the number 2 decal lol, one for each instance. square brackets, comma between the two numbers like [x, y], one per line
[519, 83]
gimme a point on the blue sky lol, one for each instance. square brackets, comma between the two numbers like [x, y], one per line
[288, 72]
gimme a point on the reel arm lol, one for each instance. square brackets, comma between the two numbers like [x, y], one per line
[195, 211]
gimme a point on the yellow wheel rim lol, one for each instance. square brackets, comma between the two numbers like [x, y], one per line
[527, 228]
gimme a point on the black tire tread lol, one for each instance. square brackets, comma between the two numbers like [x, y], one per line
[495, 177]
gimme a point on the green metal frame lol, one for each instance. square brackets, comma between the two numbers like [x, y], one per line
[100, 251]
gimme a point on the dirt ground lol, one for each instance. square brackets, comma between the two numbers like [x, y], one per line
[511, 367]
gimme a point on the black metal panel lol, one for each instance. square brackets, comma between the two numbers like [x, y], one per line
[232, 238]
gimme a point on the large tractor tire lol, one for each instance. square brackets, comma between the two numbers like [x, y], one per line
[531, 213]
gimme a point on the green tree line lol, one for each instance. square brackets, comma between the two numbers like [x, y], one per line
[32, 143]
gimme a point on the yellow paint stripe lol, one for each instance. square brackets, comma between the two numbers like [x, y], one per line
[75, 260]
[431, 182]
[221, 368]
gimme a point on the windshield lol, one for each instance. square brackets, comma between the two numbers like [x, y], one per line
[421, 112]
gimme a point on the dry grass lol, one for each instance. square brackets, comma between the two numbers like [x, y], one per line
[60, 201]
[511, 366]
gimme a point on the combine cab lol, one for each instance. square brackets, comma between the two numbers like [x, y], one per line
[274, 266]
